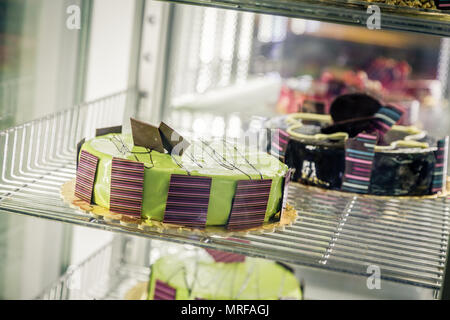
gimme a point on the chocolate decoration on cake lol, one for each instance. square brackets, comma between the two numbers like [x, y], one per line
[284, 196]
[440, 168]
[394, 161]
[79, 145]
[279, 141]
[359, 155]
[127, 184]
[225, 257]
[172, 140]
[146, 135]
[249, 204]
[86, 172]
[442, 4]
[163, 291]
[103, 131]
[188, 200]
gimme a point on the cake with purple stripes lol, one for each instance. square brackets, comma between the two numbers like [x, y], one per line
[360, 148]
[218, 275]
[146, 174]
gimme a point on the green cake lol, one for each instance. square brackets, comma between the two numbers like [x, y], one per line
[226, 166]
[191, 277]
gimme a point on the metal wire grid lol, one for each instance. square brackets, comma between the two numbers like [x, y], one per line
[406, 239]
[100, 277]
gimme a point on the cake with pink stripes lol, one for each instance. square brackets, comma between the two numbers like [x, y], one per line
[360, 148]
[151, 175]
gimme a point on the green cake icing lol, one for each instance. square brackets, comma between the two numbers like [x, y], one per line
[199, 161]
[200, 277]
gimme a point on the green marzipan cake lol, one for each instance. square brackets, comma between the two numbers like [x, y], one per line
[199, 160]
[199, 277]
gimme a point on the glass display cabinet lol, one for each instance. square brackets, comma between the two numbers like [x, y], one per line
[207, 68]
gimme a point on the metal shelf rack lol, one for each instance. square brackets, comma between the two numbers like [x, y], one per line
[406, 239]
[435, 22]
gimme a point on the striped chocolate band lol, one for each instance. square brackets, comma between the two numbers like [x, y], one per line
[87, 168]
[225, 257]
[188, 200]
[279, 142]
[163, 291]
[249, 204]
[359, 156]
[386, 117]
[127, 184]
[440, 167]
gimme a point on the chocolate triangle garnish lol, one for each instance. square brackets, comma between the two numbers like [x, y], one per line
[79, 145]
[172, 140]
[103, 131]
[146, 135]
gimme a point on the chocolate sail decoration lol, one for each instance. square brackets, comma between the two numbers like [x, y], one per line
[146, 135]
[79, 145]
[172, 140]
[86, 172]
[188, 200]
[127, 184]
[163, 291]
[249, 204]
[440, 168]
[359, 158]
[108, 130]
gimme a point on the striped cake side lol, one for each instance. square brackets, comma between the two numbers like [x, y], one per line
[85, 177]
[163, 291]
[249, 204]
[359, 157]
[440, 168]
[127, 184]
[386, 117]
[279, 142]
[188, 200]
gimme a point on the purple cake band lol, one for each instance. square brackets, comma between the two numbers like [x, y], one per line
[127, 184]
[249, 204]
[188, 200]
[86, 171]
[359, 157]
[163, 291]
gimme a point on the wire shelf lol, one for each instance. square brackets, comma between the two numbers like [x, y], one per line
[100, 277]
[406, 239]
[353, 12]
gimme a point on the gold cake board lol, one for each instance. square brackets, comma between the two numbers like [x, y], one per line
[68, 195]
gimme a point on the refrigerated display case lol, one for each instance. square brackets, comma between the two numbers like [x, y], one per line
[208, 68]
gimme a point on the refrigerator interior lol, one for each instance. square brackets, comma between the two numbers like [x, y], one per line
[208, 72]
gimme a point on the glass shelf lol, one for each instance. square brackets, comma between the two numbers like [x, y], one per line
[435, 22]
[407, 239]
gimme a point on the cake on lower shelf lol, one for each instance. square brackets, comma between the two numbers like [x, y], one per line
[203, 277]
[215, 183]
[360, 149]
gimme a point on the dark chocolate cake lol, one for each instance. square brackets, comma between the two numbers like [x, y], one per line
[359, 148]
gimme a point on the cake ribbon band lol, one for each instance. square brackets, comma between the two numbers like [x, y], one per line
[227, 257]
[278, 143]
[440, 168]
[163, 291]
[188, 200]
[359, 157]
[85, 177]
[386, 117]
[127, 184]
[249, 204]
